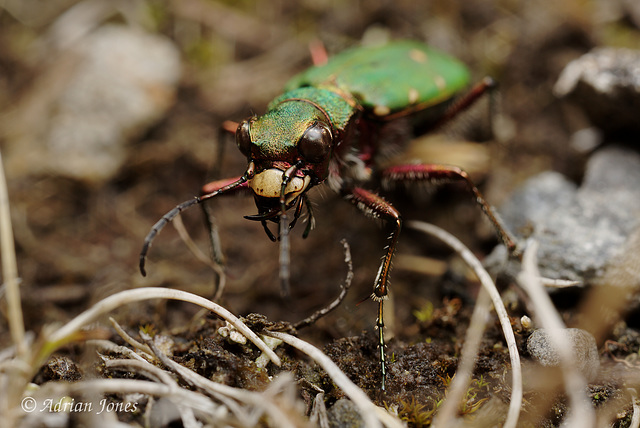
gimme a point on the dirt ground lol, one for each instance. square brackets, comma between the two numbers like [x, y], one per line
[78, 240]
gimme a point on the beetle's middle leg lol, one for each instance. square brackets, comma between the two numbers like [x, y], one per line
[375, 206]
[444, 173]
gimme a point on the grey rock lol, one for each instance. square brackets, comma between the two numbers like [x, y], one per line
[605, 83]
[583, 346]
[581, 231]
[92, 99]
[344, 414]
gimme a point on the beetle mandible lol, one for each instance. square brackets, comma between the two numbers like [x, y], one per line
[324, 128]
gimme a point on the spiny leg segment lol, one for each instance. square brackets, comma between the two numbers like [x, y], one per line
[375, 206]
[437, 173]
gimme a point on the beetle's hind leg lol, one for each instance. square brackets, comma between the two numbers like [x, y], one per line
[485, 87]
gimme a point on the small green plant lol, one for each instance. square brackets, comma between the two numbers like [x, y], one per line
[424, 313]
[415, 413]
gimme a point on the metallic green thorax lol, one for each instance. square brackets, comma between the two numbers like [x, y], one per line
[390, 78]
[275, 135]
[336, 107]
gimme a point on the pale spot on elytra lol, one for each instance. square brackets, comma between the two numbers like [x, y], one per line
[418, 56]
[413, 95]
[380, 110]
[440, 82]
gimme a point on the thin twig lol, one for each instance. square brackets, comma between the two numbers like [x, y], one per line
[371, 414]
[485, 279]
[178, 224]
[343, 292]
[635, 419]
[261, 401]
[581, 413]
[109, 346]
[461, 381]
[10, 269]
[559, 283]
[62, 335]
[127, 338]
[159, 375]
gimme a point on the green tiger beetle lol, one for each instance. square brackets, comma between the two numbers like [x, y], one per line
[325, 127]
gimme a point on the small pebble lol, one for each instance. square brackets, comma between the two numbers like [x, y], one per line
[583, 345]
[344, 414]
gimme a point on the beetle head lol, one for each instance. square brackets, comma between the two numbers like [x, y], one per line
[290, 148]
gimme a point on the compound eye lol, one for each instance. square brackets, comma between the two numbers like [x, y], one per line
[243, 138]
[316, 143]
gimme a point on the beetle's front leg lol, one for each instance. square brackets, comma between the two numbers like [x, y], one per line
[375, 206]
[221, 187]
[444, 173]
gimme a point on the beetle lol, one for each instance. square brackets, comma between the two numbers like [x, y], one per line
[325, 129]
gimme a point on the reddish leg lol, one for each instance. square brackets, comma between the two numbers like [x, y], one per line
[446, 173]
[461, 104]
[319, 55]
[375, 206]
[212, 225]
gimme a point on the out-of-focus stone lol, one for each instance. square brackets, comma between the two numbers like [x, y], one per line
[583, 346]
[605, 83]
[581, 231]
[345, 414]
[119, 81]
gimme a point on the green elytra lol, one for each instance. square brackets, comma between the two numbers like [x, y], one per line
[323, 128]
[381, 82]
[389, 78]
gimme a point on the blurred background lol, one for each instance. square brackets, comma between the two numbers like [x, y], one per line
[110, 114]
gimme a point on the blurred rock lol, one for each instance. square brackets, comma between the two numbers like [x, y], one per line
[605, 83]
[345, 414]
[583, 346]
[582, 231]
[632, 9]
[91, 100]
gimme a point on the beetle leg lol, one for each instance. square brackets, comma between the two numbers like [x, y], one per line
[461, 104]
[318, 51]
[270, 234]
[446, 173]
[296, 214]
[375, 206]
[222, 187]
[311, 221]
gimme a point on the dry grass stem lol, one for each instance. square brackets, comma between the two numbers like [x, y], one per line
[10, 269]
[581, 413]
[127, 338]
[488, 284]
[263, 401]
[460, 383]
[129, 296]
[372, 415]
